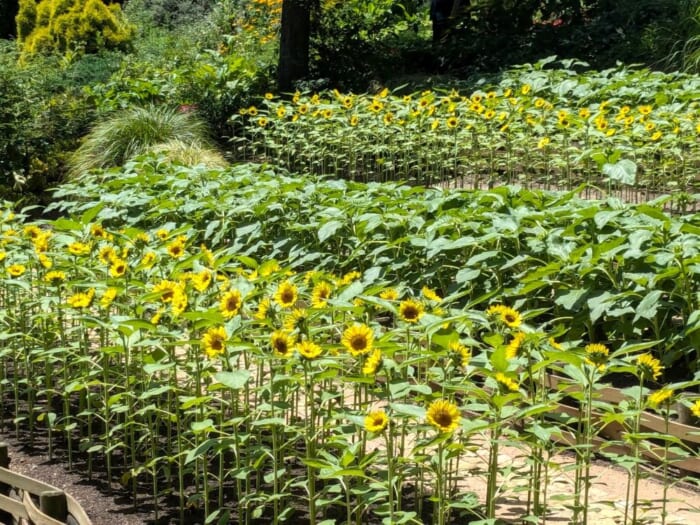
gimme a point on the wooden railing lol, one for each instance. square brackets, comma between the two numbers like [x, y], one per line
[31, 502]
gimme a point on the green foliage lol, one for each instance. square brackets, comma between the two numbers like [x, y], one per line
[591, 268]
[134, 131]
[214, 83]
[169, 14]
[43, 112]
[68, 25]
[359, 41]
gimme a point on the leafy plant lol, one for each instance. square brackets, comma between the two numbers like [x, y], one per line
[69, 25]
[132, 132]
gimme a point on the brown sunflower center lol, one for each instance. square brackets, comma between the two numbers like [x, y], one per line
[358, 342]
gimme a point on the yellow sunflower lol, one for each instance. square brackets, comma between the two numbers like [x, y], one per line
[506, 382]
[597, 354]
[358, 339]
[659, 397]
[376, 421]
[695, 408]
[462, 354]
[443, 415]
[166, 289]
[230, 303]
[514, 345]
[263, 307]
[214, 341]
[297, 320]
[286, 294]
[81, 299]
[202, 280]
[118, 267]
[282, 343]
[78, 248]
[649, 366]
[320, 294]
[411, 310]
[108, 297]
[55, 277]
[16, 270]
[389, 294]
[373, 362]
[308, 349]
[507, 315]
[176, 249]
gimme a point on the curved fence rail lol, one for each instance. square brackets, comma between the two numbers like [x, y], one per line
[26, 501]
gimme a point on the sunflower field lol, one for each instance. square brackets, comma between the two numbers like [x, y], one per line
[248, 345]
[631, 130]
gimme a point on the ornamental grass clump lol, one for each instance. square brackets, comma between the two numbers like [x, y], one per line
[137, 130]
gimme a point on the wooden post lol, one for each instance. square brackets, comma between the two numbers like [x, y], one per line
[53, 503]
[4, 455]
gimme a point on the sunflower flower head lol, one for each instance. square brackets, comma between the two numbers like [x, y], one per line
[506, 315]
[430, 294]
[320, 294]
[659, 397]
[45, 261]
[118, 267]
[214, 341]
[411, 310]
[308, 349]
[373, 363]
[263, 307]
[148, 259]
[78, 248]
[695, 408]
[506, 383]
[358, 339]
[461, 354]
[108, 297]
[282, 343]
[514, 345]
[297, 320]
[107, 254]
[389, 294]
[176, 249]
[55, 277]
[231, 303]
[81, 299]
[16, 270]
[597, 355]
[376, 421]
[443, 415]
[201, 280]
[649, 367]
[166, 290]
[286, 294]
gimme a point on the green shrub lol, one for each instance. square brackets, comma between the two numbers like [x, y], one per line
[43, 113]
[167, 13]
[134, 131]
[66, 25]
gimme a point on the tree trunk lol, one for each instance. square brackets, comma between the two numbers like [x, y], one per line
[294, 43]
[9, 9]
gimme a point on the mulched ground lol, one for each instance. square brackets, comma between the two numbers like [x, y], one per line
[102, 508]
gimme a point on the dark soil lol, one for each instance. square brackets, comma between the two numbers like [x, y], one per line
[92, 495]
